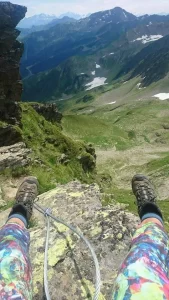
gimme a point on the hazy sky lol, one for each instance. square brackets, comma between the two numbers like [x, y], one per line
[88, 6]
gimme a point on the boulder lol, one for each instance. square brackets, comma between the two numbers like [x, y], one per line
[71, 271]
[14, 156]
[166, 126]
[87, 161]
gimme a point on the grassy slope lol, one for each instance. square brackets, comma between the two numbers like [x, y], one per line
[124, 127]
[48, 144]
[138, 124]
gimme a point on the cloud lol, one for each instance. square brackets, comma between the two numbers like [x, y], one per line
[89, 6]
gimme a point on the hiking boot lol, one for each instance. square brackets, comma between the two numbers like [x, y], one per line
[26, 194]
[143, 190]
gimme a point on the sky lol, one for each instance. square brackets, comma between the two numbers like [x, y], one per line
[84, 7]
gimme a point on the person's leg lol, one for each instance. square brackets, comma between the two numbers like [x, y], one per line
[15, 266]
[144, 272]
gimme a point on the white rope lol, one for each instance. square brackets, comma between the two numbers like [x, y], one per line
[46, 260]
[48, 214]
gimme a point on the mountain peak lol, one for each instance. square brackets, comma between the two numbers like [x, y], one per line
[114, 15]
[118, 8]
[71, 15]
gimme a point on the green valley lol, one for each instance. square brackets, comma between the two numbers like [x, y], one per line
[133, 138]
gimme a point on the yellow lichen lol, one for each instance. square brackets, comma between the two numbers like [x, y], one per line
[119, 236]
[39, 258]
[77, 194]
[89, 287]
[58, 250]
[97, 230]
[37, 278]
[61, 228]
[104, 213]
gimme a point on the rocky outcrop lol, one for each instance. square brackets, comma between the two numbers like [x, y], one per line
[109, 230]
[10, 53]
[71, 271]
[14, 156]
[48, 111]
[9, 135]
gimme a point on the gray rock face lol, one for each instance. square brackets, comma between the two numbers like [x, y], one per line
[71, 271]
[11, 51]
[9, 135]
[49, 112]
[13, 156]
[11, 14]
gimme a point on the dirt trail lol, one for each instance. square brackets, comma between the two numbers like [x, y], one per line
[122, 165]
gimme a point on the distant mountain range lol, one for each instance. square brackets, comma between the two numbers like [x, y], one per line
[36, 20]
[43, 19]
[75, 55]
[71, 15]
[27, 31]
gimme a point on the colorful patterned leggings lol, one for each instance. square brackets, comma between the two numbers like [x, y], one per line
[144, 273]
[15, 267]
[142, 276]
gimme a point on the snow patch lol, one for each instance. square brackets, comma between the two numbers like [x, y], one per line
[147, 39]
[150, 23]
[124, 15]
[112, 102]
[140, 88]
[98, 66]
[97, 81]
[82, 73]
[162, 96]
[112, 53]
[125, 82]
[93, 72]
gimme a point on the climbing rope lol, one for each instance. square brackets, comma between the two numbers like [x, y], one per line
[47, 213]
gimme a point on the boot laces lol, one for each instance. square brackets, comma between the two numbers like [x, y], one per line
[145, 193]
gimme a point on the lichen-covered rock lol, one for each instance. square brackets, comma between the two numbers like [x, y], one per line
[14, 156]
[11, 51]
[48, 111]
[71, 269]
